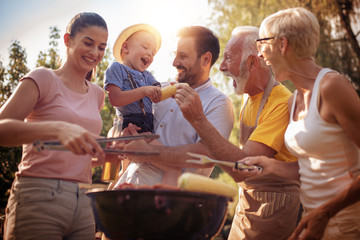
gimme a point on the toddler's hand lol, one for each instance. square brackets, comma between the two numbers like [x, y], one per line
[154, 93]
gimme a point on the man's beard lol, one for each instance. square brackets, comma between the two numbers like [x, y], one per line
[242, 79]
[190, 75]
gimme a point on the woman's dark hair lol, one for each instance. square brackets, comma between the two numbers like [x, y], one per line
[84, 20]
[205, 40]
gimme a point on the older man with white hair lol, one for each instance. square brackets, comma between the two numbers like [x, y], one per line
[268, 204]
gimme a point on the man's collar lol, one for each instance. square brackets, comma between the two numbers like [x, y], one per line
[204, 85]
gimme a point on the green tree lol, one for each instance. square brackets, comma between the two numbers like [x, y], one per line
[339, 47]
[3, 94]
[16, 70]
[50, 58]
[9, 160]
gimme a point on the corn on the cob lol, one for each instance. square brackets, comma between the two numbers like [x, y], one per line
[169, 91]
[197, 183]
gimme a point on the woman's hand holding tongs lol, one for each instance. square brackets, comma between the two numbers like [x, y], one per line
[71, 137]
[87, 143]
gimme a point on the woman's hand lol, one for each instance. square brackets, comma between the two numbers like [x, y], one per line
[77, 139]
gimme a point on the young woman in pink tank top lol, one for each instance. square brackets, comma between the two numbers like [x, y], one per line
[45, 200]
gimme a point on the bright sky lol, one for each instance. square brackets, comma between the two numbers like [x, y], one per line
[28, 21]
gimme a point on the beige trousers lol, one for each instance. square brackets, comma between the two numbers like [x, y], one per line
[48, 209]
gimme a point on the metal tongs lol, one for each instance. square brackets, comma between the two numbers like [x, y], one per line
[56, 145]
[203, 159]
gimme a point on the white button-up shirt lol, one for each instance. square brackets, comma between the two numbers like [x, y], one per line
[175, 130]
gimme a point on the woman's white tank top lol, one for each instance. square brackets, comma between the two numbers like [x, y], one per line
[328, 158]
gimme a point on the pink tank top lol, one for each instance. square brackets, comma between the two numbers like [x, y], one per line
[328, 158]
[57, 102]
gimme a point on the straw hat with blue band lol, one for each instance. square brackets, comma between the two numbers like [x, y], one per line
[126, 33]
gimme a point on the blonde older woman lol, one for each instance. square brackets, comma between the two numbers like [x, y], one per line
[324, 130]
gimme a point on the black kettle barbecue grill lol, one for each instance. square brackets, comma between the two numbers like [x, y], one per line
[154, 214]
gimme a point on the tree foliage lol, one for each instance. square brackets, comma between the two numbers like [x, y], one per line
[9, 160]
[17, 69]
[50, 58]
[3, 90]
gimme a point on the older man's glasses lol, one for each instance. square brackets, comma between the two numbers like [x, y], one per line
[261, 41]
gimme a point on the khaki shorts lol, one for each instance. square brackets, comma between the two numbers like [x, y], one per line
[54, 209]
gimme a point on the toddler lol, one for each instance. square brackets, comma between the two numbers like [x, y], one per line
[130, 87]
